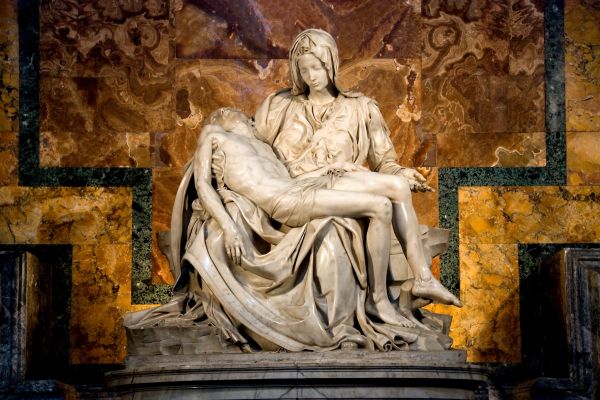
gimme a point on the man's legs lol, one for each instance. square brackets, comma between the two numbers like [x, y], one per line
[406, 228]
[336, 203]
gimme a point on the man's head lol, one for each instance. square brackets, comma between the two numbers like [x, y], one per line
[232, 120]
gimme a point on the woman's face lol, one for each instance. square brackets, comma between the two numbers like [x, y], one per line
[313, 72]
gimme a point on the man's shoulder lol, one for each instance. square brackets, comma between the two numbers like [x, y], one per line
[211, 132]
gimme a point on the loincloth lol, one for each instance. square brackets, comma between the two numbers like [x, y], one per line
[294, 207]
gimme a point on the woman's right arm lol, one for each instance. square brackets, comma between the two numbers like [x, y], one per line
[337, 168]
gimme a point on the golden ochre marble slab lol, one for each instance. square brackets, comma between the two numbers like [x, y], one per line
[583, 158]
[97, 222]
[101, 297]
[582, 65]
[9, 153]
[65, 215]
[488, 325]
[492, 221]
[549, 214]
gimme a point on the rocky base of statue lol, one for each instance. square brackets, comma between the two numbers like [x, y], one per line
[268, 375]
[193, 333]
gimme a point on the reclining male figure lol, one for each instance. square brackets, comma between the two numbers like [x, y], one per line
[249, 167]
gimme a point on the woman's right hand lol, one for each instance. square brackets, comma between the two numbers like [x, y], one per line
[343, 166]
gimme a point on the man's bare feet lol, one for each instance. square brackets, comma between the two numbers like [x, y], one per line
[434, 290]
[385, 311]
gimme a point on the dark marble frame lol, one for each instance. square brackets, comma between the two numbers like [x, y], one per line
[25, 370]
[557, 347]
[140, 179]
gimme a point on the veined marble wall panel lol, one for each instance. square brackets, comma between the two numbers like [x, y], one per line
[105, 105]
[507, 149]
[396, 86]
[582, 70]
[92, 38]
[63, 148]
[205, 85]
[265, 29]
[526, 46]
[102, 121]
[582, 65]
[483, 74]
[107, 81]
[9, 67]
[164, 187]
[465, 61]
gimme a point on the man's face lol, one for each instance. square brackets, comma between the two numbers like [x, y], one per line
[240, 125]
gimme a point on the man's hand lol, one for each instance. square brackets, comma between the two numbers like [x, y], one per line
[234, 246]
[416, 180]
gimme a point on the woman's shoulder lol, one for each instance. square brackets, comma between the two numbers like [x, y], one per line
[359, 99]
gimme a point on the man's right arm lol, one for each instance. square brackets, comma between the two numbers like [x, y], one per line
[211, 200]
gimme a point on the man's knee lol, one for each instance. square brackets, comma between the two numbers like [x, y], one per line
[401, 189]
[382, 208]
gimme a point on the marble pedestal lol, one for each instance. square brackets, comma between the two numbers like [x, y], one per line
[338, 374]
[570, 354]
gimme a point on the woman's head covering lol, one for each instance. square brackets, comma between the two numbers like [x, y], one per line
[321, 45]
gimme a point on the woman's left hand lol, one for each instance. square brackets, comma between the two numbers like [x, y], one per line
[416, 180]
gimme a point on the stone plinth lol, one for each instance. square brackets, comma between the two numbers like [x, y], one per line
[571, 318]
[338, 374]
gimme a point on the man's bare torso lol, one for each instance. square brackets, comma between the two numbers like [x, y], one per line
[251, 168]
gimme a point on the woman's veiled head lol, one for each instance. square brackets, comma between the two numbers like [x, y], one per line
[321, 45]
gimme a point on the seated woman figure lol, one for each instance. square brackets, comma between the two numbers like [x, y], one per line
[316, 124]
[250, 168]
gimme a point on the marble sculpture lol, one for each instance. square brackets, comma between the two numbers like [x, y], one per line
[282, 239]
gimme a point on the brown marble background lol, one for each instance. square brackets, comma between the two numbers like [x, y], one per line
[460, 83]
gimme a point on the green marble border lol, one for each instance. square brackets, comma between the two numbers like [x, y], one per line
[553, 174]
[31, 174]
[140, 179]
